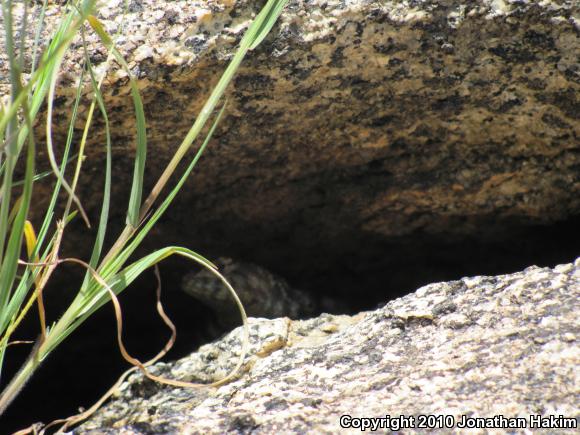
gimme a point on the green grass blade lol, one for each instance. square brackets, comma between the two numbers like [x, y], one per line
[125, 277]
[141, 150]
[10, 263]
[140, 157]
[37, 87]
[44, 174]
[270, 19]
[22, 42]
[254, 32]
[86, 300]
[40, 79]
[119, 260]
[11, 137]
[104, 217]
[49, 215]
[37, 34]
[70, 189]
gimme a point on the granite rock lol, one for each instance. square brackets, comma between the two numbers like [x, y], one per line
[355, 123]
[478, 347]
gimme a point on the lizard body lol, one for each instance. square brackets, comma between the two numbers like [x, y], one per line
[262, 293]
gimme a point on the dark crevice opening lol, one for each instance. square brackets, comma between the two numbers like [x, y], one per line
[360, 270]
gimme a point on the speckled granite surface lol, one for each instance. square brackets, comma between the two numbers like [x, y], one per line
[378, 117]
[357, 122]
[480, 347]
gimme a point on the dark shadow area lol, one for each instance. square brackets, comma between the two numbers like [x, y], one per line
[86, 364]
[357, 269]
[362, 270]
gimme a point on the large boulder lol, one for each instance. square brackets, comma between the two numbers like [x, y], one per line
[398, 126]
[477, 348]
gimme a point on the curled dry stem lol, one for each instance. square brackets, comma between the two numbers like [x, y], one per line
[137, 365]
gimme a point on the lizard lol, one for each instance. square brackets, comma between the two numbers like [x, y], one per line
[263, 293]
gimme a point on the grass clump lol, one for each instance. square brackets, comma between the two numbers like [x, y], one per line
[22, 280]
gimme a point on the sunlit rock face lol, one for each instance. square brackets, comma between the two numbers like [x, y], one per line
[479, 347]
[359, 133]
